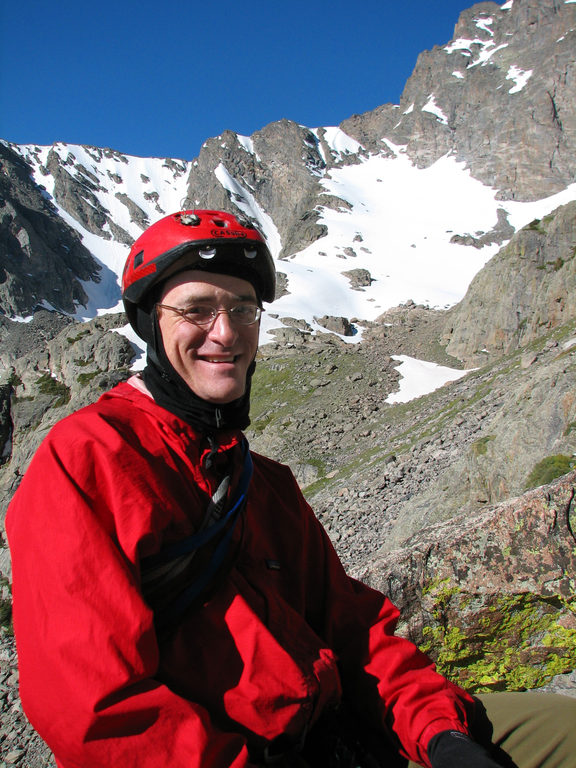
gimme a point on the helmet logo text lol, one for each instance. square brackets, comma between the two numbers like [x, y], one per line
[227, 233]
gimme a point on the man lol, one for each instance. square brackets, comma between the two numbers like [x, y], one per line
[176, 602]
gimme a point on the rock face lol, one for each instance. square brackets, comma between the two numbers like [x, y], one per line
[42, 259]
[462, 598]
[499, 97]
[542, 258]
[279, 168]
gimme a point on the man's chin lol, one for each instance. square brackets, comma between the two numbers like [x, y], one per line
[219, 395]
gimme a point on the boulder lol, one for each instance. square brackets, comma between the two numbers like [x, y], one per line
[491, 596]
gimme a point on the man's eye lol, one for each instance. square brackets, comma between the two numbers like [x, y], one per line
[243, 310]
[199, 312]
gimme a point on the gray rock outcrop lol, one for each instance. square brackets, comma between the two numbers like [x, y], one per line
[490, 596]
[542, 258]
[499, 97]
[42, 259]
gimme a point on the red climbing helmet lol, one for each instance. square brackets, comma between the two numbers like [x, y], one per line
[211, 241]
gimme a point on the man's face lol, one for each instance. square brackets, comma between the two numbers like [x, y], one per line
[212, 359]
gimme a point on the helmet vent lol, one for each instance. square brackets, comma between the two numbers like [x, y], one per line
[190, 219]
[209, 240]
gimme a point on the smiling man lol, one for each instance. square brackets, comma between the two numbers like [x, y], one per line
[176, 602]
[209, 326]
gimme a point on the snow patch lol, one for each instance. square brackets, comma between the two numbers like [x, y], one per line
[246, 201]
[519, 76]
[482, 50]
[434, 109]
[247, 143]
[485, 24]
[418, 378]
[340, 142]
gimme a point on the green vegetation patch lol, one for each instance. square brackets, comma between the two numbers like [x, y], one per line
[549, 469]
[74, 339]
[540, 225]
[276, 379]
[516, 642]
[535, 226]
[5, 605]
[51, 386]
[86, 378]
[480, 447]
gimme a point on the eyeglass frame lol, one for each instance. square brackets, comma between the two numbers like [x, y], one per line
[215, 312]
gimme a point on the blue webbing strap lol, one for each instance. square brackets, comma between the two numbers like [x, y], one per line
[172, 611]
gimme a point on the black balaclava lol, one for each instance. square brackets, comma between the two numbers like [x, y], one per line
[170, 390]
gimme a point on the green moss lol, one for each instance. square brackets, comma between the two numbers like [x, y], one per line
[74, 339]
[517, 643]
[5, 606]
[5, 612]
[535, 226]
[86, 378]
[549, 469]
[539, 225]
[14, 380]
[51, 386]
[480, 447]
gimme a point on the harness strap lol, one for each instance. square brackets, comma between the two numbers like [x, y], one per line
[166, 585]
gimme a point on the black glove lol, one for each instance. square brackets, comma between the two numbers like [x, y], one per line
[452, 749]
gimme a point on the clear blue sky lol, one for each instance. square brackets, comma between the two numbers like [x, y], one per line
[159, 78]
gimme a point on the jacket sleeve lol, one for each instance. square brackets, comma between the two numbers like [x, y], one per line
[86, 643]
[385, 677]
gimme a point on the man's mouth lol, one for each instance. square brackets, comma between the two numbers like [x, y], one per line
[230, 359]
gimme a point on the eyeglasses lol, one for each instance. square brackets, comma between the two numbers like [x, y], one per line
[204, 314]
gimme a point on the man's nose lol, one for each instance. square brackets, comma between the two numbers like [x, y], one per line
[223, 326]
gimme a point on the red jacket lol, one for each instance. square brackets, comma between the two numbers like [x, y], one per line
[280, 640]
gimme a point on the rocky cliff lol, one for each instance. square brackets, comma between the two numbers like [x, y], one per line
[499, 96]
[542, 258]
[42, 259]
[484, 631]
